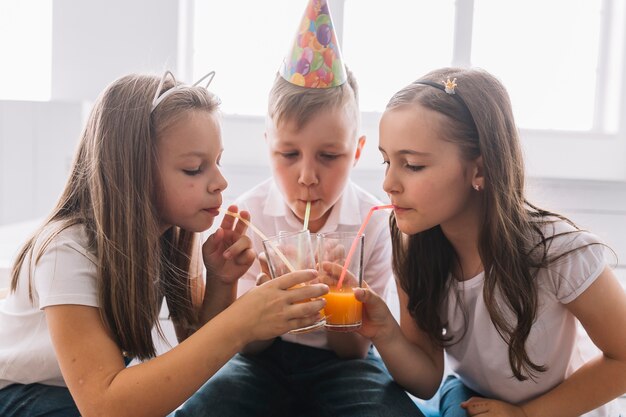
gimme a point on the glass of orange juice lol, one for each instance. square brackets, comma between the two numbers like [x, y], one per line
[343, 312]
[288, 252]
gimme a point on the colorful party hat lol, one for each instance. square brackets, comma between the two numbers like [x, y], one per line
[315, 59]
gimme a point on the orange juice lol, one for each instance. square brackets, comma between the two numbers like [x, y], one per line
[343, 311]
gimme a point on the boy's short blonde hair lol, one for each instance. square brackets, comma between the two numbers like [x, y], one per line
[290, 102]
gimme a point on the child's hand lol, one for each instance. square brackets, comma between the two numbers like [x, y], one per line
[228, 252]
[331, 272]
[485, 407]
[275, 307]
[264, 275]
[378, 321]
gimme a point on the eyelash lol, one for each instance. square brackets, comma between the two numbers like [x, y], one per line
[413, 168]
[192, 172]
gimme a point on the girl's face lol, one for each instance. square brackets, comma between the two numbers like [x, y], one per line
[427, 180]
[313, 163]
[190, 190]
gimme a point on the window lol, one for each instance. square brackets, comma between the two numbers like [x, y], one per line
[389, 46]
[553, 58]
[26, 50]
[244, 42]
[562, 61]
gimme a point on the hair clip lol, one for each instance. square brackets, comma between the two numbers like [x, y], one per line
[158, 99]
[449, 85]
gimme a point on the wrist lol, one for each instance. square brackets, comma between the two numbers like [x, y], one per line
[239, 329]
[388, 331]
[217, 281]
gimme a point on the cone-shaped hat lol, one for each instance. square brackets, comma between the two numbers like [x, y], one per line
[314, 60]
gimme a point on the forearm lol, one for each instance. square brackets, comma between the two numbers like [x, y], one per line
[594, 384]
[408, 364]
[217, 297]
[348, 345]
[165, 382]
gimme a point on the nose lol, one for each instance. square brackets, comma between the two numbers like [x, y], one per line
[218, 183]
[308, 174]
[391, 185]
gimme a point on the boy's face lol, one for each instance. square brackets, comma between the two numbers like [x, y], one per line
[313, 163]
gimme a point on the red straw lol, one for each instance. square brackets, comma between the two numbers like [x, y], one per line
[356, 241]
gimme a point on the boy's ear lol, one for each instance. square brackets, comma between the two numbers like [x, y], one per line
[359, 148]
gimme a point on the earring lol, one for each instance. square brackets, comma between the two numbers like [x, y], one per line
[476, 187]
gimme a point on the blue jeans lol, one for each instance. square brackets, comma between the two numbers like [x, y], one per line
[451, 394]
[36, 400]
[289, 379]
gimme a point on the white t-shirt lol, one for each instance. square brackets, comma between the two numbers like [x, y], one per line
[481, 360]
[65, 274]
[271, 215]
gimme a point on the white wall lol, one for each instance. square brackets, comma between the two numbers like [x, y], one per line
[93, 43]
[97, 41]
[37, 141]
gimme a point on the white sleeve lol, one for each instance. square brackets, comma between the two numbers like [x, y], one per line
[574, 272]
[65, 275]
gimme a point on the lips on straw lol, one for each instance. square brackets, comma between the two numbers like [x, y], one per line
[356, 240]
[263, 237]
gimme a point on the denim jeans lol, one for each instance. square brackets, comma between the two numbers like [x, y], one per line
[451, 394]
[35, 400]
[289, 379]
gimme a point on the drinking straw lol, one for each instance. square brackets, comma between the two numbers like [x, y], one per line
[263, 237]
[305, 226]
[307, 214]
[356, 241]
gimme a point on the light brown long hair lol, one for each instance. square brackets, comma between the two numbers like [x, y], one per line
[511, 243]
[111, 193]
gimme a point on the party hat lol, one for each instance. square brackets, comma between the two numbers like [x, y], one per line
[314, 60]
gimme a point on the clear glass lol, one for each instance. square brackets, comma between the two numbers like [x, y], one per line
[288, 252]
[343, 312]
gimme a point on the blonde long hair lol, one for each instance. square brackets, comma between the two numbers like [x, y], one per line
[111, 193]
